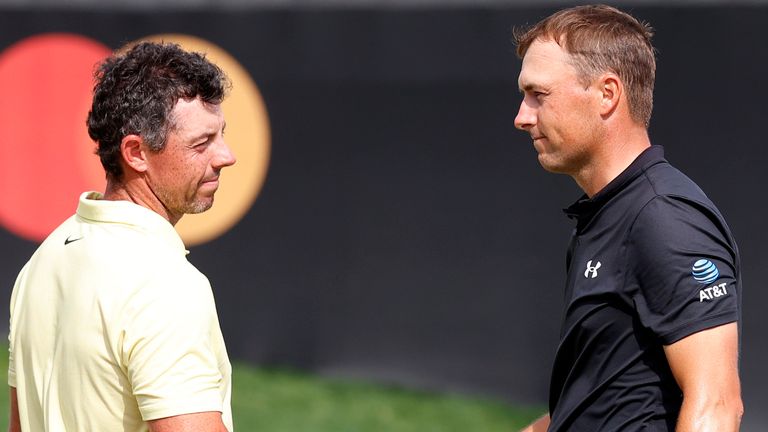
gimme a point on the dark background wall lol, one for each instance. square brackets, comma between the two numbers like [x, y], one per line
[405, 232]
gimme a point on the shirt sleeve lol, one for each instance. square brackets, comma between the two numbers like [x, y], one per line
[170, 347]
[685, 269]
[17, 286]
[11, 363]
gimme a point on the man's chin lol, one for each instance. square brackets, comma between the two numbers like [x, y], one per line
[200, 206]
[549, 165]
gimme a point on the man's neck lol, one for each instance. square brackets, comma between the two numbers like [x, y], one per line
[611, 159]
[137, 192]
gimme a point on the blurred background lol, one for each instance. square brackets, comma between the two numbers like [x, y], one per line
[402, 231]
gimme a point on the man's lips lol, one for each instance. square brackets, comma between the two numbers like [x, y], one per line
[210, 182]
[537, 144]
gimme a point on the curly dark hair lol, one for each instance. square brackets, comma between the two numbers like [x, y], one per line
[136, 90]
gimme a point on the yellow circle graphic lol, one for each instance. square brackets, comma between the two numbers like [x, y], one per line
[247, 135]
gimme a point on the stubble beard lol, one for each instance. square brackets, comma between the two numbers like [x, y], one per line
[199, 206]
[183, 206]
[196, 205]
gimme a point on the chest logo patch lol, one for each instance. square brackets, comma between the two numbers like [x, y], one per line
[591, 271]
[705, 272]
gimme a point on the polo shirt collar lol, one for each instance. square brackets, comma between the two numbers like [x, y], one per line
[92, 206]
[586, 208]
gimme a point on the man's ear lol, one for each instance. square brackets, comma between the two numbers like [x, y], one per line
[133, 152]
[611, 90]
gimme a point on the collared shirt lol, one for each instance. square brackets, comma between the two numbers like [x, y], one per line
[111, 326]
[651, 261]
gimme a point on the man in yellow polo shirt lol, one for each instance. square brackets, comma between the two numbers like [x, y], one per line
[112, 329]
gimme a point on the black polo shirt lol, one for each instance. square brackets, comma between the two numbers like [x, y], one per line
[651, 261]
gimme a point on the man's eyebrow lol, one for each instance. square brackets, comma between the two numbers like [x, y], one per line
[202, 135]
[209, 133]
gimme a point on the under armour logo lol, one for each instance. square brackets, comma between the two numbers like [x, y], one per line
[591, 271]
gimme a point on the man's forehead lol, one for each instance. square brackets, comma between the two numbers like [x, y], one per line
[543, 59]
[194, 116]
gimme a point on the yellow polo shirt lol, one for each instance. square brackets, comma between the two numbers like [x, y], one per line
[111, 326]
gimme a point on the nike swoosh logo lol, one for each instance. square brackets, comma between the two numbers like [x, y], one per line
[70, 240]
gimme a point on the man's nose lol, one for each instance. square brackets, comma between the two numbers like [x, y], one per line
[526, 116]
[224, 156]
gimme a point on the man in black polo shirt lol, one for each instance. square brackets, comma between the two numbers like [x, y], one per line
[649, 339]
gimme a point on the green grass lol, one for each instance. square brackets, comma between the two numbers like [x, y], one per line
[275, 400]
